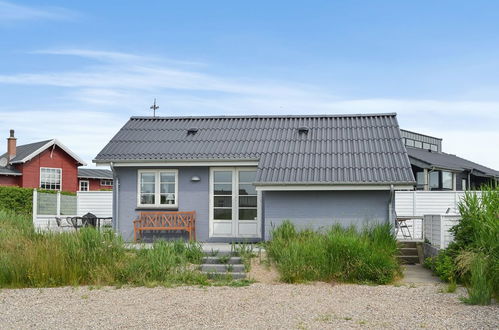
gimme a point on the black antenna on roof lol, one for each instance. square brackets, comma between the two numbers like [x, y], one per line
[154, 107]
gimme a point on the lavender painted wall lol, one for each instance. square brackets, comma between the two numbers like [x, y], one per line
[192, 196]
[316, 209]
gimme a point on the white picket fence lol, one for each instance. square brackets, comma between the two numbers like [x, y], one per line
[46, 207]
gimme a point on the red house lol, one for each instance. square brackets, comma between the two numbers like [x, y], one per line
[46, 164]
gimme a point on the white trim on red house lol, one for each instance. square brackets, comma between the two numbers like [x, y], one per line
[48, 145]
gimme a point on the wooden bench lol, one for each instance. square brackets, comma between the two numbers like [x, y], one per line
[166, 221]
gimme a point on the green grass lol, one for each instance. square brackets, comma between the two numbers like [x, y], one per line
[90, 257]
[336, 254]
[473, 258]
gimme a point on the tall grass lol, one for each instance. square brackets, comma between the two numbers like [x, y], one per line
[88, 257]
[473, 257]
[339, 254]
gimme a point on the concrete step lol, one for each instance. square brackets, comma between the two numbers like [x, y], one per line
[222, 260]
[408, 251]
[408, 260]
[217, 268]
[216, 253]
[226, 275]
[407, 245]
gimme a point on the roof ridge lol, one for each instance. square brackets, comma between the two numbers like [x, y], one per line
[389, 114]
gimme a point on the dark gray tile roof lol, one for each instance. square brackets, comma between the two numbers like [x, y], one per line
[355, 149]
[25, 150]
[93, 173]
[448, 161]
[8, 171]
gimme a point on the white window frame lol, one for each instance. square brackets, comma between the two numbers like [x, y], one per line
[106, 180]
[51, 168]
[88, 185]
[157, 189]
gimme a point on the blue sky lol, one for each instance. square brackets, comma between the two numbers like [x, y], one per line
[78, 70]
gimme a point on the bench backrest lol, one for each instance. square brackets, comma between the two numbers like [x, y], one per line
[167, 219]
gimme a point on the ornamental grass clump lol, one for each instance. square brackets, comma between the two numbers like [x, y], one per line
[473, 257]
[89, 257]
[335, 254]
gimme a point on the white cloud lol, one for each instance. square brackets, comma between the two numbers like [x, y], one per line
[10, 12]
[122, 84]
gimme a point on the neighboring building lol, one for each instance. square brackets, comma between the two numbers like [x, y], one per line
[90, 179]
[45, 164]
[242, 175]
[436, 170]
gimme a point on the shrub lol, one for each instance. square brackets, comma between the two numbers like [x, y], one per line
[15, 199]
[473, 257]
[348, 255]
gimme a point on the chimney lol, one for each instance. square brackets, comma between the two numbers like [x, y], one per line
[11, 145]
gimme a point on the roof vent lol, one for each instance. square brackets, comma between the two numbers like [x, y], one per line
[192, 130]
[303, 129]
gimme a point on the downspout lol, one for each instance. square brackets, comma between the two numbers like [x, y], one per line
[390, 206]
[116, 192]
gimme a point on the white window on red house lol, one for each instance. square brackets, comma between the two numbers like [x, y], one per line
[50, 178]
[84, 185]
[105, 182]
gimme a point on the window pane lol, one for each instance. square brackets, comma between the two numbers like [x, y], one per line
[446, 180]
[223, 189]
[222, 214]
[168, 199]
[222, 201]
[167, 177]
[247, 176]
[147, 199]
[418, 144]
[247, 214]
[147, 188]
[223, 176]
[420, 178]
[247, 201]
[464, 184]
[247, 189]
[434, 180]
[409, 142]
[147, 177]
[426, 146]
[167, 188]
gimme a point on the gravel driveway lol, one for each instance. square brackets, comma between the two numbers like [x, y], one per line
[258, 306]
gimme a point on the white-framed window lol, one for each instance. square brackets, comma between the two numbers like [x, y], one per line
[84, 185]
[447, 180]
[50, 178]
[157, 188]
[106, 182]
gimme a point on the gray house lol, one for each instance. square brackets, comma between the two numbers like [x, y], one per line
[242, 175]
[437, 170]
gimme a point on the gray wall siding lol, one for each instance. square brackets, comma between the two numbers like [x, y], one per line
[192, 196]
[316, 209]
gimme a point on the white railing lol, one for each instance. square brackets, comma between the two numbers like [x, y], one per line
[419, 203]
[410, 229]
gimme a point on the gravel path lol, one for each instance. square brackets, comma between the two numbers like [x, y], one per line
[258, 306]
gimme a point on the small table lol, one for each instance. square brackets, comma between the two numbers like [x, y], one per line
[78, 222]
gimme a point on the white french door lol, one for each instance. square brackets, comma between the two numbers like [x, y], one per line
[234, 206]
